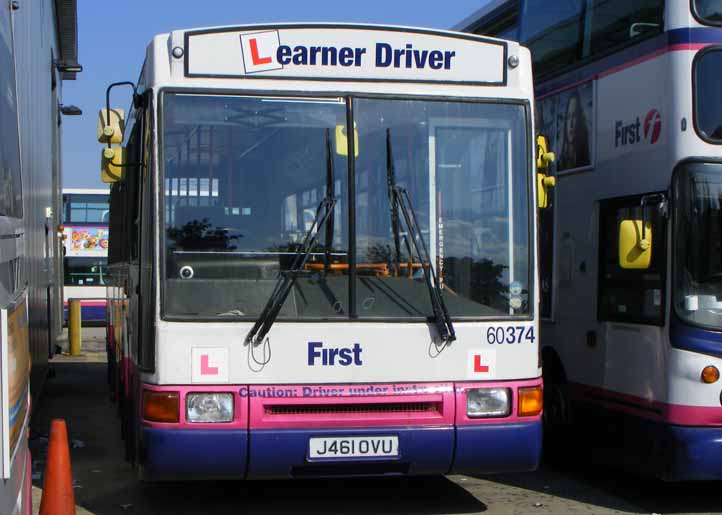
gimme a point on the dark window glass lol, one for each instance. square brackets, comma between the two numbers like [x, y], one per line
[505, 26]
[85, 271]
[625, 295]
[553, 32]
[710, 11]
[11, 200]
[614, 23]
[465, 169]
[564, 32]
[86, 208]
[244, 178]
[698, 244]
[510, 32]
[707, 99]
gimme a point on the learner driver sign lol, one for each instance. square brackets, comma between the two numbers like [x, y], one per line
[321, 52]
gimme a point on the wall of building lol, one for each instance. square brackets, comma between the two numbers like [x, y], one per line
[39, 88]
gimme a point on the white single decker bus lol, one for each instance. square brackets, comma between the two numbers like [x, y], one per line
[323, 254]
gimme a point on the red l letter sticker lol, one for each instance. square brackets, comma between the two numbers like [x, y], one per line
[205, 369]
[257, 59]
[478, 367]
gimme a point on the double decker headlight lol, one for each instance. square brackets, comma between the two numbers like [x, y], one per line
[488, 402]
[209, 407]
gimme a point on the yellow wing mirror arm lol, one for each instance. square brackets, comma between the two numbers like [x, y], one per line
[655, 199]
[544, 182]
[544, 157]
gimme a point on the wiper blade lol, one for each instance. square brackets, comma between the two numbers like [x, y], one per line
[284, 284]
[330, 189]
[393, 205]
[399, 198]
[324, 216]
[441, 314]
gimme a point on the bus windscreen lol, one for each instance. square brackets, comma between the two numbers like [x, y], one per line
[244, 176]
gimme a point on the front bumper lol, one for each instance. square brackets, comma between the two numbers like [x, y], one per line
[180, 454]
[269, 437]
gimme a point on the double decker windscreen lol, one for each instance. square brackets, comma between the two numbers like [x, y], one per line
[698, 240]
[244, 178]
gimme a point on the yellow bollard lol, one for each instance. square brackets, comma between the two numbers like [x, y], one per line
[74, 323]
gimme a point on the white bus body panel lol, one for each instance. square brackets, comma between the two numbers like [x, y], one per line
[391, 351]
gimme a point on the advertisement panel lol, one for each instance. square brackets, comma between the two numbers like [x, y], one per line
[567, 119]
[15, 377]
[85, 241]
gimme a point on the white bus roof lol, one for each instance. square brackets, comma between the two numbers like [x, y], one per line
[338, 57]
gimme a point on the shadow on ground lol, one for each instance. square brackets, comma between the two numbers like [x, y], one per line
[578, 480]
[106, 485]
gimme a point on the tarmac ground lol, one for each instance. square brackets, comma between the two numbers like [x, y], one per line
[104, 484]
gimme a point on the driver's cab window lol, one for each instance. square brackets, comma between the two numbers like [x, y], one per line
[631, 295]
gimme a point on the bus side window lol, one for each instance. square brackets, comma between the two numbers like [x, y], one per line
[562, 34]
[630, 295]
[615, 22]
[146, 351]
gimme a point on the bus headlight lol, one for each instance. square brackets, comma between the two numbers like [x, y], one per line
[488, 402]
[209, 407]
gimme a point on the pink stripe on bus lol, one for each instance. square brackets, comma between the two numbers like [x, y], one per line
[660, 411]
[349, 405]
[628, 64]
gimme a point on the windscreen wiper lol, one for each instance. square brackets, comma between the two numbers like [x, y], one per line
[330, 189]
[399, 198]
[324, 216]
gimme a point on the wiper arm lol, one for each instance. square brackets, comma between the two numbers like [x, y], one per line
[330, 190]
[393, 205]
[284, 284]
[441, 314]
[324, 216]
[399, 198]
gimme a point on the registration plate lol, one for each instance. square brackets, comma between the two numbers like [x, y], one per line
[353, 447]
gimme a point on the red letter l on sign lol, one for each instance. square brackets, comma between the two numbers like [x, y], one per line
[478, 367]
[257, 59]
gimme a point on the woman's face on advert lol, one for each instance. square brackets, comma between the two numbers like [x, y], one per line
[571, 121]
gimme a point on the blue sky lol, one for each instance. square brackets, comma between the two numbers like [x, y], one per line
[113, 36]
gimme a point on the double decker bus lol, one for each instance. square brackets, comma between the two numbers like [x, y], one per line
[630, 261]
[323, 254]
[86, 213]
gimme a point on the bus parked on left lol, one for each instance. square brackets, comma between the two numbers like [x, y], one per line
[30, 246]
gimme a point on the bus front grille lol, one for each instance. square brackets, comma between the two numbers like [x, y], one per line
[324, 409]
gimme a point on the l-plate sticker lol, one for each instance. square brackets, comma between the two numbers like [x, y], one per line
[209, 365]
[481, 364]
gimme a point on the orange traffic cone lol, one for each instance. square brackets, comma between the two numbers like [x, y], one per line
[58, 497]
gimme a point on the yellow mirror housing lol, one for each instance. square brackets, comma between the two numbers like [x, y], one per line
[111, 164]
[342, 140]
[111, 132]
[635, 251]
[544, 156]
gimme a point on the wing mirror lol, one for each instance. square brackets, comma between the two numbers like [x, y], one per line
[544, 182]
[635, 244]
[112, 164]
[635, 236]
